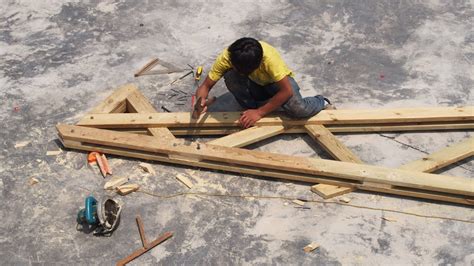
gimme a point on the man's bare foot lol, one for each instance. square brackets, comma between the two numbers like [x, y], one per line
[328, 105]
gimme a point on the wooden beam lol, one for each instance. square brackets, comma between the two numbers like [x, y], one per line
[443, 157]
[248, 136]
[333, 128]
[330, 191]
[427, 164]
[312, 166]
[331, 144]
[430, 126]
[138, 103]
[338, 151]
[116, 101]
[275, 173]
[326, 117]
[217, 131]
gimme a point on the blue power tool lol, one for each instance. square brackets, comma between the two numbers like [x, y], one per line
[89, 213]
[100, 217]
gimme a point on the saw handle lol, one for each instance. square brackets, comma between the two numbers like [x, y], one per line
[91, 210]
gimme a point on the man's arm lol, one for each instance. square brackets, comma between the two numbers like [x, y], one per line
[251, 116]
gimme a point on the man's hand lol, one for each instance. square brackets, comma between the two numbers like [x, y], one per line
[203, 92]
[250, 117]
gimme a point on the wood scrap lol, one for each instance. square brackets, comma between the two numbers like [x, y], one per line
[127, 189]
[298, 202]
[389, 219]
[329, 191]
[311, 247]
[146, 246]
[101, 160]
[105, 162]
[345, 200]
[147, 168]
[183, 179]
[53, 153]
[33, 181]
[22, 144]
[114, 182]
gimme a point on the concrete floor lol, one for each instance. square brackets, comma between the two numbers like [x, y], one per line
[59, 59]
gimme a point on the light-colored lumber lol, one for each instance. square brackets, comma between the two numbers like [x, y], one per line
[428, 164]
[137, 253]
[137, 102]
[120, 108]
[338, 151]
[147, 168]
[430, 126]
[330, 191]
[116, 101]
[331, 144]
[183, 179]
[115, 181]
[328, 168]
[205, 131]
[275, 173]
[311, 247]
[326, 117]
[443, 157]
[209, 131]
[147, 67]
[127, 189]
[248, 136]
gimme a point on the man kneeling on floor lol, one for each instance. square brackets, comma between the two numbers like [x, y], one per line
[260, 81]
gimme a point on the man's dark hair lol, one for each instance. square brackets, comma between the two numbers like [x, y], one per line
[246, 55]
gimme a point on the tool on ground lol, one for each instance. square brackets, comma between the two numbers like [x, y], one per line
[197, 77]
[198, 108]
[146, 245]
[101, 160]
[99, 217]
[147, 68]
[198, 74]
[182, 77]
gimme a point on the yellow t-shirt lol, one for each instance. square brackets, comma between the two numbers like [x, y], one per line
[271, 69]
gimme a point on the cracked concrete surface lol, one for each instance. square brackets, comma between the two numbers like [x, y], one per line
[61, 59]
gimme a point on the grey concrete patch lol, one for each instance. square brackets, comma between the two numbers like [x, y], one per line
[61, 59]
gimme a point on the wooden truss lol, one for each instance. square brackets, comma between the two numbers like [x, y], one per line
[126, 124]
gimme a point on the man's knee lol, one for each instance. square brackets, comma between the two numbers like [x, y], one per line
[298, 107]
[298, 111]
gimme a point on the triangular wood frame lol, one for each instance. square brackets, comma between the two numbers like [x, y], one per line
[147, 68]
[223, 153]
